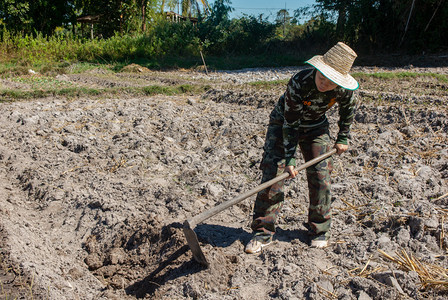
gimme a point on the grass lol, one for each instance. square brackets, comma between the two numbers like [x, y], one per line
[269, 84]
[401, 75]
[73, 92]
[38, 82]
[172, 90]
[224, 62]
[11, 70]
[44, 84]
[13, 67]
[235, 62]
[81, 67]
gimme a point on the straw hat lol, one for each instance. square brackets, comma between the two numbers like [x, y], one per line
[335, 65]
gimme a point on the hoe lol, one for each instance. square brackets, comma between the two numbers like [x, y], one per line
[190, 224]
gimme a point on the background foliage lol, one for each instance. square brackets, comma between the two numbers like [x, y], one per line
[42, 31]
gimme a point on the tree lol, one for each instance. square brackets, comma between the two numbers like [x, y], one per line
[14, 14]
[249, 35]
[117, 15]
[283, 19]
[340, 7]
[186, 7]
[41, 16]
[215, 30]
[144, 3]
[389, 24]
[192, 8]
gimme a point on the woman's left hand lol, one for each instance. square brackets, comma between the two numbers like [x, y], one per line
[341, 148]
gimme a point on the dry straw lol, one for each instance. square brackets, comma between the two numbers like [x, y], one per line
[431, 276]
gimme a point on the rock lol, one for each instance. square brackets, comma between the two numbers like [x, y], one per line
[213, 190]
[75, 273]
[93, 261]
[383, 241]
[403, 237]
[116, 256]
[288, 270]
[326, 285]
[394, 283]
[431, 223]
[417, 227]
[363, 296]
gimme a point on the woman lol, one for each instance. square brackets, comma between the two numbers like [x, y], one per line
[299, 119]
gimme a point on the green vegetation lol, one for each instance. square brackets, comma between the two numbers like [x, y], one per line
[41, 86]
[71, 92]
[148, 50]
[139, 32]
[401, 75]
[37, 82]
[269, 84]
[49, 35]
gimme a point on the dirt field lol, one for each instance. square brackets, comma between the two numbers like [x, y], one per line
[93, 192]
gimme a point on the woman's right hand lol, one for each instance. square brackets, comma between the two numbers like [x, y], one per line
[292, 173]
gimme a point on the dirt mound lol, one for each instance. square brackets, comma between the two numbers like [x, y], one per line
[134, 68]
[93, 193]
[133, 250]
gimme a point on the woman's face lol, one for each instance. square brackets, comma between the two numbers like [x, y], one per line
[324, 84]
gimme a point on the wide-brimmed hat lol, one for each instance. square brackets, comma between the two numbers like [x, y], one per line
[335, 65]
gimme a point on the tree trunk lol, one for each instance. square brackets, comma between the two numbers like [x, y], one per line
[121, 16]
[342, 14]
[144, 2]
[427, 25]
[162, 6]
[407, 23]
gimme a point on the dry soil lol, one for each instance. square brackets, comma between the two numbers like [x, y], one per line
[93, 192]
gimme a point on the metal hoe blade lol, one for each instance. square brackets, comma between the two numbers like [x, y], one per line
[190, 224]
[192, 240]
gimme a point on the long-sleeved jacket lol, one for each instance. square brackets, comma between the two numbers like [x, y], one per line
[303, 105]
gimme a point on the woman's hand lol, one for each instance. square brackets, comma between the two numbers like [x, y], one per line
[293, 173]
[341, 148]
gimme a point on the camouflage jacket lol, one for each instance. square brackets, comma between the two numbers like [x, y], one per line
[302, 104]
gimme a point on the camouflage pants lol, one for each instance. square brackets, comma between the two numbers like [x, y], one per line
[313, 142]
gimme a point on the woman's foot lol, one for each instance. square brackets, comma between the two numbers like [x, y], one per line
[257, 243]
[319, 241]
